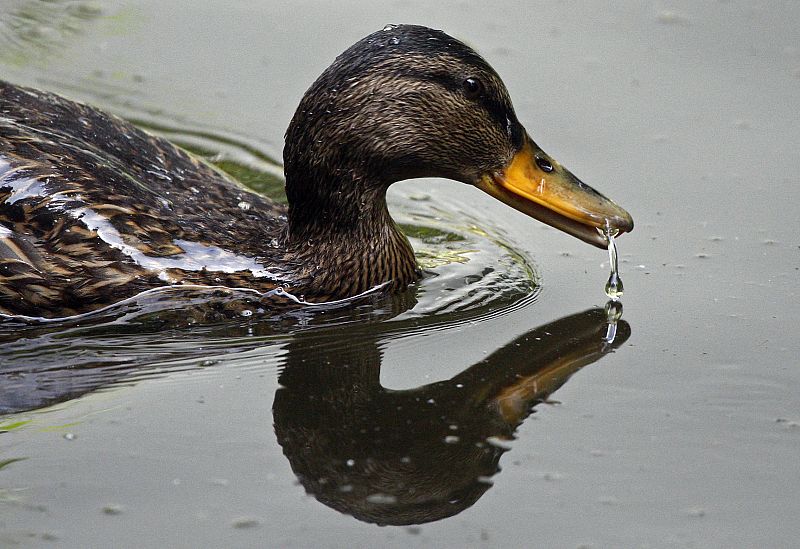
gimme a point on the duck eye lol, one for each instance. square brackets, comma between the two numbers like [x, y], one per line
[544, 164]
[473, 88]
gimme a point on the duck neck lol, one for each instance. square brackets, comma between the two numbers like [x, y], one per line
[345, 242]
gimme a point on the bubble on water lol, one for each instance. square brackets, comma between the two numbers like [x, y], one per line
[245, 522]
[552, 477]
[669, 17]
[608, 500]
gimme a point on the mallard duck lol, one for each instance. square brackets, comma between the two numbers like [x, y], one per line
[94, 210]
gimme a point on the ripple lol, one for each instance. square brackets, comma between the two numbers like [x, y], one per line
[33, 31]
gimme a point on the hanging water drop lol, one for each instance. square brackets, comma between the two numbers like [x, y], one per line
[614, 286]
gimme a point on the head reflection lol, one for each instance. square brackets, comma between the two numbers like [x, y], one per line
[419, 455]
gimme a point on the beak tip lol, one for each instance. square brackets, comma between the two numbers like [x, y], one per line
[623, 222]
[627, 226]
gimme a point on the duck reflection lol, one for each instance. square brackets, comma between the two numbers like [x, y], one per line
[383, 456]
[419, 455]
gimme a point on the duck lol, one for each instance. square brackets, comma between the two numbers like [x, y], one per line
[94, 210]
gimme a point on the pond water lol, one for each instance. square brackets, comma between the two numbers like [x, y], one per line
[405, 421]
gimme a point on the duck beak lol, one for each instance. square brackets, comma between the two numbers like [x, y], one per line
[555, 196]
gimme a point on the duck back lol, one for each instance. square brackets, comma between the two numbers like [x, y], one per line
[94, 210]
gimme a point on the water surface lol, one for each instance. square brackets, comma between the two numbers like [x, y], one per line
[682, 433]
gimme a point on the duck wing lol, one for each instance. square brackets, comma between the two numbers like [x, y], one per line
[94, 210]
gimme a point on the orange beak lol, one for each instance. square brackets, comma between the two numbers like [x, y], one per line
[536, 185]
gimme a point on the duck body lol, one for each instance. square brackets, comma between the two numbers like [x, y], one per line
[94, 210]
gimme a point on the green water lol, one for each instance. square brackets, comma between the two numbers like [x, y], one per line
[306, 430]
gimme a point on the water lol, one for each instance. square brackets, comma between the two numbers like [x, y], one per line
[614, 288]
[613, 310]
[682, 432]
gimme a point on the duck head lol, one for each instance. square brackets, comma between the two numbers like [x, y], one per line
[409, 101]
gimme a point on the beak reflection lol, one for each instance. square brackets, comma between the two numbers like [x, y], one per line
[418, 455]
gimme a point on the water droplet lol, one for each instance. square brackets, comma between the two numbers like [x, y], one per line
[452, 439]
[614, 286]
[389, 28]
[385, 499]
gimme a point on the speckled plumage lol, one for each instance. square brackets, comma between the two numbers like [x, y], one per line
[62, 163]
